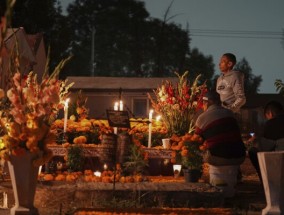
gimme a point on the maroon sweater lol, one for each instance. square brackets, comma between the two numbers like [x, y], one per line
[220, 129]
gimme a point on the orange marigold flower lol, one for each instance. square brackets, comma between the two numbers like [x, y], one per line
[184, 153]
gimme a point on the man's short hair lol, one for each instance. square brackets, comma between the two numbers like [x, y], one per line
[231, 57]
[212, 96]
[274, 107]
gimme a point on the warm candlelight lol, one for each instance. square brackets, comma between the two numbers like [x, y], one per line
[115, 108]
[39, 169]
[98, 173]
[65, 114]
[105, 166]
[158, 118]
[150, 128]
[120, 105]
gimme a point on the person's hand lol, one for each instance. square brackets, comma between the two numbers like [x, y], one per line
[252, 138]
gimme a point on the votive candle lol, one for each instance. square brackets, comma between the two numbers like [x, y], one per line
[65, 114]
[98, 173]
[150, 128]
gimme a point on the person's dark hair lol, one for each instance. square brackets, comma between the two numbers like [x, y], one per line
[231, 57]
[274, 107]
[212, 96]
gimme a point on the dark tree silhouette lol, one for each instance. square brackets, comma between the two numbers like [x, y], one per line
[252, 82]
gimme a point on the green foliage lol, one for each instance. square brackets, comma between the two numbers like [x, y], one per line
[279, 86]
[194, 157]
[197, 64]
[75, 158]
[136, 162]
[251, 81]
[126, 41]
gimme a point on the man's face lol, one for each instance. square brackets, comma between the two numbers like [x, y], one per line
[268, 115]
[225, 64]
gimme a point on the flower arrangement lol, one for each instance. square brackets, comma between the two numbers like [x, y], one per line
[27, 111]
[192, 155]
[139, 132]
[178, 104]
[85, 131]
[188, 151]
[81, 129]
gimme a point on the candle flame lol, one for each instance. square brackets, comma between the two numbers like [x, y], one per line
[158, 118]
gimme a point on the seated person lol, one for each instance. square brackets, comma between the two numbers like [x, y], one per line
[219, 128]
[273, 131]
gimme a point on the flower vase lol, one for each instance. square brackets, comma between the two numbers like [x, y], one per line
[191, 175]
[24, 180]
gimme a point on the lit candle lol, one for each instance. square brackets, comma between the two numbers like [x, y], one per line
[65, 114]
[115, 108]
[105, 166]
[98, 173]
[39, 169]
[5, 200]
[150, 128]
[158, 118]
[120, 105]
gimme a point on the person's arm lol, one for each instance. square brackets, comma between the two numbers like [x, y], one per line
[239, 92]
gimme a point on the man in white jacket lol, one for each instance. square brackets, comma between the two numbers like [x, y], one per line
[230, 84]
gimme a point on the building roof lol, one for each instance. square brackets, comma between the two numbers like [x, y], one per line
[114, 83]
[25, 48]
[259, 100]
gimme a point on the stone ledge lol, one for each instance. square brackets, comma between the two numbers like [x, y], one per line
[68, 196]
[142, 186]
[54, 196]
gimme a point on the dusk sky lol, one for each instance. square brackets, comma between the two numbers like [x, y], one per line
[248, 28]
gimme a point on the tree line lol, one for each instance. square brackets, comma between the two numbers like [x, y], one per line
[118, 38]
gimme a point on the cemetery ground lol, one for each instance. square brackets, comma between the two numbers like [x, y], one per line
[249, 200]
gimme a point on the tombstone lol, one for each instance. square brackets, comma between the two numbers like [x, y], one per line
[272, 172]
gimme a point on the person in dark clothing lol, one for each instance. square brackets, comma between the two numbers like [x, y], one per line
[220, 130]
[274, 127]
[273, 130]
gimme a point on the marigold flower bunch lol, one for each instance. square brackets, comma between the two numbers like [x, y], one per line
[188, 151]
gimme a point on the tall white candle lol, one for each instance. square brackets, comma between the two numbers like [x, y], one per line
[150, 128]
[65, 114]
[115, 108]
[5, 200]
[120, 105]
